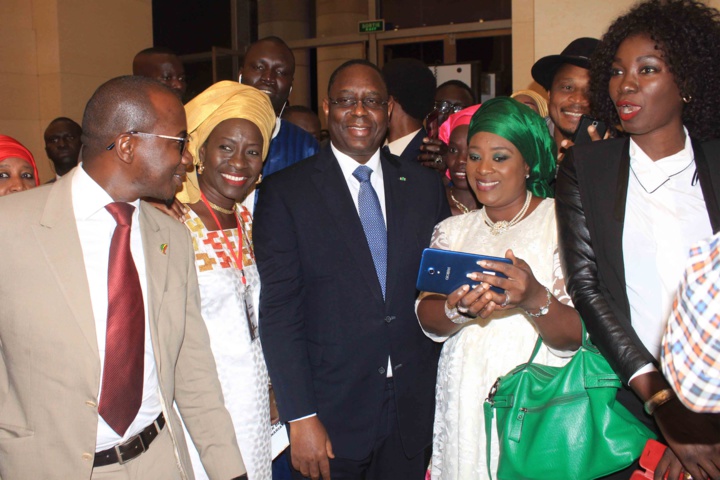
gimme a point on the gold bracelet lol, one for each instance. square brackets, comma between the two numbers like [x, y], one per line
[660, 398]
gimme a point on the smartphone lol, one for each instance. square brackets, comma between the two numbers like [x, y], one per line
[651, 455]
[581, 134]
[444, 271]
[432, 124]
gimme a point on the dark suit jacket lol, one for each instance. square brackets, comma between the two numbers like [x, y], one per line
[325, 329]
[411, 152]
[590, 201]
[290, 145]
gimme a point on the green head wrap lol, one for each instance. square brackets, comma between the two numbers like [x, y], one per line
[525, 129]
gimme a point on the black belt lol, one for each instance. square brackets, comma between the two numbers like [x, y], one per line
[132, 448]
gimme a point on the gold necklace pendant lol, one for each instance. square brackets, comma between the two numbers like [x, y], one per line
[502, 226]
[220, 209]
[461, 206]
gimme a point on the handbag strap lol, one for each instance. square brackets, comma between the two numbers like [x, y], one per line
[488, 408]
[585, 343]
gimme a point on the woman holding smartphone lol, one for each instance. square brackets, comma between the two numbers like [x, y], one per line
[511, 159]
[630, 208]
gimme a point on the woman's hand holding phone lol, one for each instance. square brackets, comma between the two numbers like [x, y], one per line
[521, 289]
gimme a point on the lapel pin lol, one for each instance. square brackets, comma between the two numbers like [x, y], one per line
[163, 248]
[402, 179]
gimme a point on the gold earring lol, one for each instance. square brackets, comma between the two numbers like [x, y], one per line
[687, 98]
[200, 168]
[259, 180]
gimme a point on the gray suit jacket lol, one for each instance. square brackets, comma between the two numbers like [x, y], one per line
[49, 361]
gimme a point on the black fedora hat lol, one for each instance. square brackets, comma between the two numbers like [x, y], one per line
[578, 53]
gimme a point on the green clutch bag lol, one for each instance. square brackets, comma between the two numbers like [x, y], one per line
[562, 422]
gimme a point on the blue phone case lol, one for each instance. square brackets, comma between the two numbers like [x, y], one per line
[444, 271]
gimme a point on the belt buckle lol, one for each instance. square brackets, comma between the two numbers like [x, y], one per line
[121, 459]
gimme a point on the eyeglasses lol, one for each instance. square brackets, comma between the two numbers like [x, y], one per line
[182, 141]
[369, 103]
[447, 107]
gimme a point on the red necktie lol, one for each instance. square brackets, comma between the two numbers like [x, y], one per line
[122, 381]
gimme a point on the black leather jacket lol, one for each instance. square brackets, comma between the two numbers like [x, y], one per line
[591, 192]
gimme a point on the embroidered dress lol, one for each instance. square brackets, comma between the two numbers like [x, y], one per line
[237, 351]
[473, 358]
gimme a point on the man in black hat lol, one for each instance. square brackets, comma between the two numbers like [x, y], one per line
[566, 77]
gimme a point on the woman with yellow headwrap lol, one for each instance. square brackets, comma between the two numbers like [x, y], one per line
[231, 127]
[533, 100]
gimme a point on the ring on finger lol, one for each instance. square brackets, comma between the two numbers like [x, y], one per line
[506, 302]
[687, 476]
[438, 159]
[462, 309]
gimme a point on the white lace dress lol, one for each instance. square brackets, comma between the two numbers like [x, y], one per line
[238, 355]
[473, 358]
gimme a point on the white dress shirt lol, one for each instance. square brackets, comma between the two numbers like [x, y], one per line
[348, 166]
[95, 228]
[665, 214]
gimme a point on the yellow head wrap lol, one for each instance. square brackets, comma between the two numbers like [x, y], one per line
[539, 100]
[221, 101]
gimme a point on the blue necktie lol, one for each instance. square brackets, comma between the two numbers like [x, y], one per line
[373, 223]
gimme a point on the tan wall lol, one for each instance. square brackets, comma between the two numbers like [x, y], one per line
[545, 27]
[336, 18]
[289, 20]
[55, 53]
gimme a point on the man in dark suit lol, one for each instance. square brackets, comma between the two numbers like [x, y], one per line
[338, 256]
[411, 85]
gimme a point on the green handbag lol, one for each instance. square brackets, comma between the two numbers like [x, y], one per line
[562, 422]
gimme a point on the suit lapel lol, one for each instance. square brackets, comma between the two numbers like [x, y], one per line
[157, 249]
[333, 189]
[59, 242]
[623, 177]
[395, 201]
[709, 181]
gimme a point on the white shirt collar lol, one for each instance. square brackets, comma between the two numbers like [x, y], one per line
[653, 174]
[276, 130]
[88, 196]
[348, 165]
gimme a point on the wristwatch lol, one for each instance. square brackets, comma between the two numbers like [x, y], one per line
[545, 308]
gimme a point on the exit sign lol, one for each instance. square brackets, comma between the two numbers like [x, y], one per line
[371, 26]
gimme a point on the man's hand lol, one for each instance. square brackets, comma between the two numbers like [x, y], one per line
[694, 439]
[567, 143]
[310, 448]
[431, 156]
[176, 209]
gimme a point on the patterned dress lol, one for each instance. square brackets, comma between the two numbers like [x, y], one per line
[473, 358]
[234, 340]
